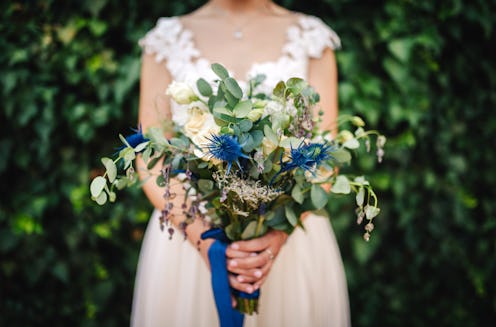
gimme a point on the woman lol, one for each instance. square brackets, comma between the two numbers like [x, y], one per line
[301, 276]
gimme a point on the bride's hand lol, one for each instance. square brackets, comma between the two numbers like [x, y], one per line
[250, 261]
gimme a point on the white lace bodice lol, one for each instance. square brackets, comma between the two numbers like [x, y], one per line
[174, 45]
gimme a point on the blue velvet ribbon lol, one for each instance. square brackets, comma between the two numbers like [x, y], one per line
[228, 316]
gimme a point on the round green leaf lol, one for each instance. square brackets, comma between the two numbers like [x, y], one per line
[233, 87]
[242, 109]
[342, 185]
[245, 125]
[101, 199]
[371, 212]
[318, 196]
[204, 87]
[249, 231]
[111, 169]
[297, 195]
[342, 155]
[112, 196]
[360, 196]
[205, 185]
[220, 71]
[291, 216]
[97, 186]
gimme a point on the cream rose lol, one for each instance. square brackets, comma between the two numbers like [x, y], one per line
[267, 146]
[182, 93]
[196, 120]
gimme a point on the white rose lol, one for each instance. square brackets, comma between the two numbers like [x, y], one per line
[182, 93]
[273, 107]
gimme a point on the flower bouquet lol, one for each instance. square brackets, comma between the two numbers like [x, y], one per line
[249, 162]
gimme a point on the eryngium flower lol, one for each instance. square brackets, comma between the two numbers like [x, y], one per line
[308, 156]
[226, 148]
[135, 139]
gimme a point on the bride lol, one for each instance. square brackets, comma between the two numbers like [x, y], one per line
[301, 276]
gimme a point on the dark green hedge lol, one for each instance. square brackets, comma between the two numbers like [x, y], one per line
[423, 72]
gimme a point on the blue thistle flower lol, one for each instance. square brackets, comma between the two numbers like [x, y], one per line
[226, 148]
[135, 139]
[306, 157]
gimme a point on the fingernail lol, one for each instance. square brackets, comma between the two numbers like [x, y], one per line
[249, 289]
[258, 274]
[233, 263]
[234, 246]
[240, 279]
[253, 254]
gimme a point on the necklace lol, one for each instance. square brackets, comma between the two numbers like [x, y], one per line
[238, 28]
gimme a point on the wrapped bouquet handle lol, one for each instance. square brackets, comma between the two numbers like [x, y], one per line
[228, 316]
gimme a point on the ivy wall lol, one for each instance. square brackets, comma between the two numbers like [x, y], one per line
[423, 72]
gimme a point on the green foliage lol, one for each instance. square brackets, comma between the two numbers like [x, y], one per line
[422, 72]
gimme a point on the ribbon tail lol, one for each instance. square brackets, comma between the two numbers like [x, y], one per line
[228, 316]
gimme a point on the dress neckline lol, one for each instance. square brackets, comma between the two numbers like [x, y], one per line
[283, 53]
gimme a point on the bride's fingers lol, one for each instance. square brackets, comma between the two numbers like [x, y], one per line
[251, 262]
[231, 253]
[254, 245]
[243, 287]
[251, 275]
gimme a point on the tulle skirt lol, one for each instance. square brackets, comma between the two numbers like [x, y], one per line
[306, 286]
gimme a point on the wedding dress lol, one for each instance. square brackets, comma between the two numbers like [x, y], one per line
[307, 284]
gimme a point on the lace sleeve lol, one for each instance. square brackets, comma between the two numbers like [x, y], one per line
[313, 36]
[169, 42]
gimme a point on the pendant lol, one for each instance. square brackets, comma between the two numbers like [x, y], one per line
[238, 35]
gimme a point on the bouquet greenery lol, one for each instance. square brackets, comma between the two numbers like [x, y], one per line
[249, 162]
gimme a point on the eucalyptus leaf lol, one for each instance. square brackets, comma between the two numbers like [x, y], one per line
[245, 125]
[146, 154]
[110, 168]
[222, 110]
[160, 180]
[360, 196]
[204, 87]
[279, 89]
[297, 194]
[233, 87]
[257, 137]
[121, 183]
[247, 142]
[220, 71]
[205, 185]
[318, 196]
[371, 212]
[295, 85]
[342, 155]
[242, 109]
[140, 147]
[97, 186]
[291, 216]
[177, 142]
[152, 162]
[341, 185]
[101, 199]
[352, 144]
[249, 231]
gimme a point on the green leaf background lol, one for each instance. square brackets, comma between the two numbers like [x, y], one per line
[422, 72]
